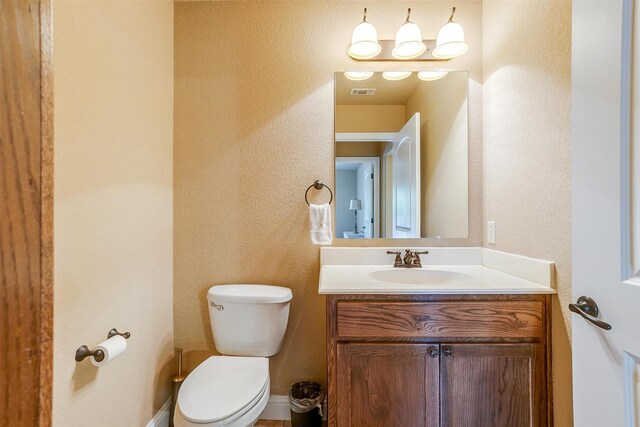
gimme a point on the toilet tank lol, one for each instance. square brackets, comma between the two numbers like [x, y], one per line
[248, 320]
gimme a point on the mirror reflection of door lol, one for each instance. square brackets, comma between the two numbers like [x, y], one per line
[406, 180]
[368, 222]
[357, 197]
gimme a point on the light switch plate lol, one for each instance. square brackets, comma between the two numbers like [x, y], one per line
[491, 232]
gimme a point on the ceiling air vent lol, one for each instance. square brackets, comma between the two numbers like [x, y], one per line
[362, 92]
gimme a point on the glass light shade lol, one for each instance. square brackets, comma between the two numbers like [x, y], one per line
[364, 42]
[429, 76]
[450, 42]
[355, 205]
[396, 75]
[358, 75]
[408, 42]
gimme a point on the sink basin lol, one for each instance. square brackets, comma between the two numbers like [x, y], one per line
[419, 277]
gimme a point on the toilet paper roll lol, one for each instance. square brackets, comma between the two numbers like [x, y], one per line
[112, 348]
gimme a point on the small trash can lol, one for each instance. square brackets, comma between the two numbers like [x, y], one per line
[305, 404]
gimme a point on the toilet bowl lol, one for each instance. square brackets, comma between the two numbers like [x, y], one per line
[248, 323]
[224, 391]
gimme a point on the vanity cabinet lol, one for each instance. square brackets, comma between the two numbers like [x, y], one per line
[438, 360]
[386, 385]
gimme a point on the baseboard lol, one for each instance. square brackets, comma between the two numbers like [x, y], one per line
[161, 418]
[277, 408]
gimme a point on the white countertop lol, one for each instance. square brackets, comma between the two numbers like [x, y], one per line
[469, 277]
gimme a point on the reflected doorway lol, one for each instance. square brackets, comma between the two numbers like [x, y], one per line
[357, 197]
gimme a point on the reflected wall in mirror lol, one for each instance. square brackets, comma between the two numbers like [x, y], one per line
[402, 157]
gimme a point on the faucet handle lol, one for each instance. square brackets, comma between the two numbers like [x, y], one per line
[398, 260]
[416, 260]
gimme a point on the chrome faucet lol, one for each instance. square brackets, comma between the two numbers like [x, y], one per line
[411, 258]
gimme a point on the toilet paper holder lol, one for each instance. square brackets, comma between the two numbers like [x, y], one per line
[83, 351]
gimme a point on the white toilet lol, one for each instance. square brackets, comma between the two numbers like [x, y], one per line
[248, 324]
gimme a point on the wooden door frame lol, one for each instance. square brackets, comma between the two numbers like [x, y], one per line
[36, 306]
[45, 398]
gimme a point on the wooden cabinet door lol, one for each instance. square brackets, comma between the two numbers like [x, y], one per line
[388, 385]
[492, 385]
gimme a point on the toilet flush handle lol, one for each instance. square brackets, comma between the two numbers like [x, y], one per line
[217, 306]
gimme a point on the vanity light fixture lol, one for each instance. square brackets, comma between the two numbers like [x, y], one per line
[396, 75]
[358, 75]
[450, 42]
[431, 75]
[364, 40]
[409, 43]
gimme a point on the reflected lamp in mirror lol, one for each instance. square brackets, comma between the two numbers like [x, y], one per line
[396, 75]
[355, 205]
[358, 75]
[431, 75]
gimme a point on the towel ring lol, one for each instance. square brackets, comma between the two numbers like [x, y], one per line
[318, 185]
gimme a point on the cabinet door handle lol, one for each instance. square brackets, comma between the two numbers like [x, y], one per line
[434, 351]
[447, 350]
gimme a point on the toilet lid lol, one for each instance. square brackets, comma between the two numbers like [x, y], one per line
[258, 294]
[222, 386]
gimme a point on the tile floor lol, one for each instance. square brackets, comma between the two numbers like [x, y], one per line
[272, 423]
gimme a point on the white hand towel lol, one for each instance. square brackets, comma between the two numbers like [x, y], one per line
[320, 218]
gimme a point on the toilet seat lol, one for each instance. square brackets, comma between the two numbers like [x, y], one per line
[223, 388]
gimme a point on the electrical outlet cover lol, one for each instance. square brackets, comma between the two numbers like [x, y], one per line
[491, 232]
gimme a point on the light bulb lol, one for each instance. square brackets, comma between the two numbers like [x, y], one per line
[364, 41]
[450, 42]
[409, 43]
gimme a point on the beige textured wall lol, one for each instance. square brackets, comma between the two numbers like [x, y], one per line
[527, 139]
[443, 106]
[253, 127]
[369, 118]
[113, 207]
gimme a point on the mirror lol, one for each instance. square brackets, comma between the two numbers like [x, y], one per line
[402, 157]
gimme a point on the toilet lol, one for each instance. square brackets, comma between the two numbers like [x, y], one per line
[248, 323]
